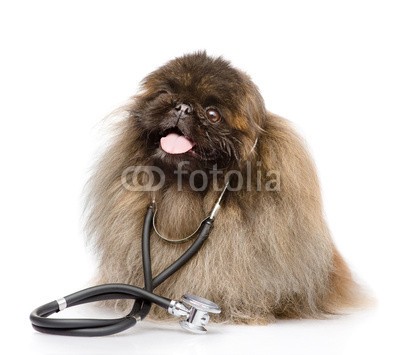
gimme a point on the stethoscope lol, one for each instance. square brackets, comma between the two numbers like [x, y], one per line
[194, 310]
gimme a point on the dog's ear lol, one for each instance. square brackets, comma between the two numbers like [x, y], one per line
[251, 119]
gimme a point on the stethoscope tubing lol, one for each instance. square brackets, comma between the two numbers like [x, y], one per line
[144, 297]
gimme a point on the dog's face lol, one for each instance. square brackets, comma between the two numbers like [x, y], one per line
[199, 110]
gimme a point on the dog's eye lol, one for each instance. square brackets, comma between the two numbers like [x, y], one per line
[213, 115]
[162, 92]
[155, 95]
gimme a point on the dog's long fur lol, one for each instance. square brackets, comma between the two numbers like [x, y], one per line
[270, 253]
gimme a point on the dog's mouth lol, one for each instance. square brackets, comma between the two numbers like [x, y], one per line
[173, 141]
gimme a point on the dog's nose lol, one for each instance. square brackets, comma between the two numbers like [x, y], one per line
[184, 108]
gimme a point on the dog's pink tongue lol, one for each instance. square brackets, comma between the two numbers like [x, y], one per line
[175, 144]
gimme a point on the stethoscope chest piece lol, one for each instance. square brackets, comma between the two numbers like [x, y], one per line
[197, 311]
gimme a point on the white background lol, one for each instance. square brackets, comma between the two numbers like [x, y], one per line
[330, 67]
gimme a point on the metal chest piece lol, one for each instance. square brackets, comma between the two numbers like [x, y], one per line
[198, 315]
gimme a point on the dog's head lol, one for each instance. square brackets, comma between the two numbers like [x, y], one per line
[200, 110]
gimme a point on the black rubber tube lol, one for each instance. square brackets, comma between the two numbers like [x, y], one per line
[142, 308]
[92, 327]
[187, 255]
[121, 325]
[146, 257]
[144, 297]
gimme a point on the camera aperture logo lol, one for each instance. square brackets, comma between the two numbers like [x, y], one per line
[152, 178]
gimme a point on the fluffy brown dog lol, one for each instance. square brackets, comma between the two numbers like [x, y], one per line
[270, 254]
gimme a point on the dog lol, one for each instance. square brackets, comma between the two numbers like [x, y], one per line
[199, 122]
